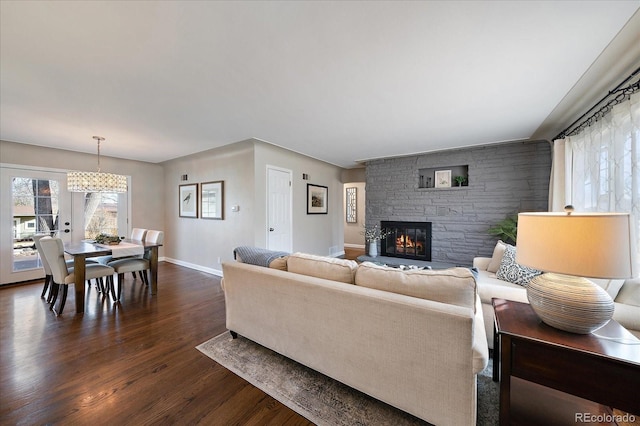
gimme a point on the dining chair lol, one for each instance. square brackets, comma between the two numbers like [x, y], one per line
[141, 265]
[61, 276]
[137, 234]
[47, 268]
[45, 264]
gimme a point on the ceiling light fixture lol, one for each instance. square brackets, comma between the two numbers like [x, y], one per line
[96, 181]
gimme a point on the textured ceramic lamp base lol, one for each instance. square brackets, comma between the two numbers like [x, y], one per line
[568, 303]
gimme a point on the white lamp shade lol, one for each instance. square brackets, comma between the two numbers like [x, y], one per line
[595, 245]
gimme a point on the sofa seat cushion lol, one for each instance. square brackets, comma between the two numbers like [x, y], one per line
[456, 286]
[329, 268]
[493, 287]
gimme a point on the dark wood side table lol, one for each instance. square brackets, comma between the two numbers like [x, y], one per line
[562, 377]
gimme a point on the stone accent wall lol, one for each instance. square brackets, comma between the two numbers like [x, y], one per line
[504, 179]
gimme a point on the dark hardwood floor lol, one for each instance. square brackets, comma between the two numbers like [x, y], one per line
[352, 253]
[128, 363]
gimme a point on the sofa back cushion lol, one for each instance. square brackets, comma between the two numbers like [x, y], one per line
[612, 287]
[629, 294]
[329, 268]
[455, 286]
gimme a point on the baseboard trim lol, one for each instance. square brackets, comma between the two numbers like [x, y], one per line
[354, 246]
[200, 268]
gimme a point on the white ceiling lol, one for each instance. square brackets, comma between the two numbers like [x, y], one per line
[338, 81]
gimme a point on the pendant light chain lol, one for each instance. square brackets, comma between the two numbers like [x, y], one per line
[96, 181]
[99, 139]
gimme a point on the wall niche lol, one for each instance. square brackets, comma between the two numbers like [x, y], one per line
[443, 177]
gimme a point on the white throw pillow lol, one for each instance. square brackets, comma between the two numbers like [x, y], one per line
[498, 252]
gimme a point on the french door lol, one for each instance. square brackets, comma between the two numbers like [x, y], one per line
[36, 201]
[31, 202]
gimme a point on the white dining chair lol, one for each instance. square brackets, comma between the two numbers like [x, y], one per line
[45, 264]
[122, 266]
[47, 268]
[61, 276]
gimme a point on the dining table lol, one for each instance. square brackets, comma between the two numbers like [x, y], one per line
[83, 250]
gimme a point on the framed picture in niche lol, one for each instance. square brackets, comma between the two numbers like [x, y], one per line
[188, 200]
[443, 179]
[212, 200]
[317, 199]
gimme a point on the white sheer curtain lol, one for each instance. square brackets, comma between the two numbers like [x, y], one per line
[598, 170]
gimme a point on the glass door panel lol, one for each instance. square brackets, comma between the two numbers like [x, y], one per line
[33, 202]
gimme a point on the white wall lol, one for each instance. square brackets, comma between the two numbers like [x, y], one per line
[317, 234]
[199, 243]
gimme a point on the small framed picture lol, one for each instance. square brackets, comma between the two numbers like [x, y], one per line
[212, 200]
[317, 197]
[443, 179]
[188, 200]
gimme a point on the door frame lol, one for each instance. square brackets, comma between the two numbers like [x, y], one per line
[267, 183]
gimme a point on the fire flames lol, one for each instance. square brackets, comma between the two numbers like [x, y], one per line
[405, 244]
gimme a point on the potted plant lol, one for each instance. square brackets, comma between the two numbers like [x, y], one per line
[460, 180]
[506, 230]
[371, 235]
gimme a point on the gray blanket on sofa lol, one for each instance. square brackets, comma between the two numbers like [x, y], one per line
[256, 256]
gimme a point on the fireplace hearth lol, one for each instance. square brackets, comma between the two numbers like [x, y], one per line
[407, 240]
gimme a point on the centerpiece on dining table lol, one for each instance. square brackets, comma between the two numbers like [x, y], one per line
[107, 239]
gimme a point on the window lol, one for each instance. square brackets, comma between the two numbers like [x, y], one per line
[602, 164]
[100, 214]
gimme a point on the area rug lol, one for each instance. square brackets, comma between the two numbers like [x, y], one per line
[318, 398]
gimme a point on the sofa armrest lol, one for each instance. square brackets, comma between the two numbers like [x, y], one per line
[481, 263]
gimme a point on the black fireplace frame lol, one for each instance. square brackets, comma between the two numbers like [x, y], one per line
[398, 225]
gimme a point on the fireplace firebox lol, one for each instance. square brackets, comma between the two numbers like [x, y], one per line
[408, 240]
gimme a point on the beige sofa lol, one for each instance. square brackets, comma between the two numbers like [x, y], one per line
[626, 294]
[419, 351]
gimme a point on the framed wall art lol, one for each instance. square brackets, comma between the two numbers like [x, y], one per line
[443, 179]
[352, 206]
[317, 198]
[212, 200]
[188, 200]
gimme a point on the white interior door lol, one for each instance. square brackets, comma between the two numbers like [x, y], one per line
[31, 202]
[279, 224]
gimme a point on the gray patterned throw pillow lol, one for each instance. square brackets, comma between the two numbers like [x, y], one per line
[512, 271]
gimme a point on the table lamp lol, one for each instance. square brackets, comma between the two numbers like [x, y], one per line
[569, 246]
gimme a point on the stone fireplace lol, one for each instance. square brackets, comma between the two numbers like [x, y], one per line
[407, 240]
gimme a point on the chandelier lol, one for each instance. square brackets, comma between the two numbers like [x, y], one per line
[96, 181]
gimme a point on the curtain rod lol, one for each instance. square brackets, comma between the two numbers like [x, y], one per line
[621, 94]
